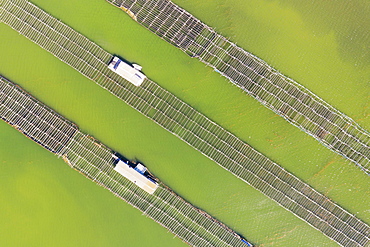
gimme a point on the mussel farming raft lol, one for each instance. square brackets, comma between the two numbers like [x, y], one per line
[185, 122]
[281, 94]
[97, 162]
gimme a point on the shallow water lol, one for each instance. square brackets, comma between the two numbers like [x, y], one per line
[47, 203]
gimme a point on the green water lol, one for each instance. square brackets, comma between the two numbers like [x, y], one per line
[324, 46]
[45, 203]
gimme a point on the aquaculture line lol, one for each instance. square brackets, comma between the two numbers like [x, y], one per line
[188, 124]
[94, 160]
[284, 96]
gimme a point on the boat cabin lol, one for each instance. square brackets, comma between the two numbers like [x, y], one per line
[136, 173]
[128, 72]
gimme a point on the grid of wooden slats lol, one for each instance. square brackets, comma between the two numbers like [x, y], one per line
[37, 122]
[284, 96]
[95, 161]
[194, 128]
[187, 222]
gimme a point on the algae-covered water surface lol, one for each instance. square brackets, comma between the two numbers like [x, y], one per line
[324, 46]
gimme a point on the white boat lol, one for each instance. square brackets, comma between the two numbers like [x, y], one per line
[136, 173]
[128, 72]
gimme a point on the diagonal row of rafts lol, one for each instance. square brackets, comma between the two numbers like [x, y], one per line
[188, 124]
[284, 96]
[85, 154]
